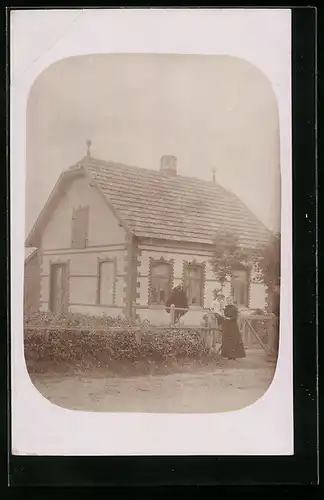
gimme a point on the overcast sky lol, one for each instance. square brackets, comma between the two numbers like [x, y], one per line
[209, 111]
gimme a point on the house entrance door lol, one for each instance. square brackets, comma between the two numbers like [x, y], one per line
[58, 293]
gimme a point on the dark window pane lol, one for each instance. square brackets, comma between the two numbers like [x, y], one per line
[195, 273]
[161, 269]
[240, 287]
[193, 284]
[154, 296]
[160, 282]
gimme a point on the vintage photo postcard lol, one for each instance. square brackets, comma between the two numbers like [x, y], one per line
[151, 232]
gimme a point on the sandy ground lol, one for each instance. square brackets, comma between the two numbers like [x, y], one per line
[234, 385]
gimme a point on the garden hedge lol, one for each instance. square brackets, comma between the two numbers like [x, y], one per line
[91, 342]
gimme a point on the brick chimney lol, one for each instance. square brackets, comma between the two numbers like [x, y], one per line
[168, 165]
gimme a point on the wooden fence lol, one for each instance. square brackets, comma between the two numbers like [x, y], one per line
[256, 330]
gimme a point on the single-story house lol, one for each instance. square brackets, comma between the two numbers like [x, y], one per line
[116, 239]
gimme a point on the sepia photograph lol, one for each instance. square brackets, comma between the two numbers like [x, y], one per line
[153, 236]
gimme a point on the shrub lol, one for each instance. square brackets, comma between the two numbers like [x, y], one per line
[268, 263]
[96, 345]
[70, 320]
[259, 312]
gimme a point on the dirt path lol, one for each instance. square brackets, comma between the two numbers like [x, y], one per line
[212, 390]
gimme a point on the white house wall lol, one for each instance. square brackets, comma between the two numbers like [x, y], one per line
[156, 313]
[104, 228]
[83, 278]
[258, 296]
[31, 284]
[106, 240]
[258, 293]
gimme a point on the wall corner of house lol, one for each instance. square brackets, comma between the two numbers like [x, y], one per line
[132, 261]
[39, 272]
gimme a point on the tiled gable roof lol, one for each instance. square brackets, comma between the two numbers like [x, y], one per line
[179, 208]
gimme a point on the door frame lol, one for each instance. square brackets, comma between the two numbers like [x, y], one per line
[66, 267]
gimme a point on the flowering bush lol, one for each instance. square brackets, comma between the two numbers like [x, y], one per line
[259, 312]
[88, 340]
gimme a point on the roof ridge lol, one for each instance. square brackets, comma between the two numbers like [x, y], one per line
[107, 163]
[203, 181]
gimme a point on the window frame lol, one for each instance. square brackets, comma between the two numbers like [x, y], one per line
[247, 272]
[100, 261]
[185, 280]
[155, 262]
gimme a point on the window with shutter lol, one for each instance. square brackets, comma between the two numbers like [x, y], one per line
[80, 222]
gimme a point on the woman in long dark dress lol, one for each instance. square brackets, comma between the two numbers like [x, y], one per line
[232, 345]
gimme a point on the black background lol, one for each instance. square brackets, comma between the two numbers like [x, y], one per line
[300, 469]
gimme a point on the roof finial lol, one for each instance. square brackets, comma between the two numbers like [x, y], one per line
[88, 143]
[214, 175]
